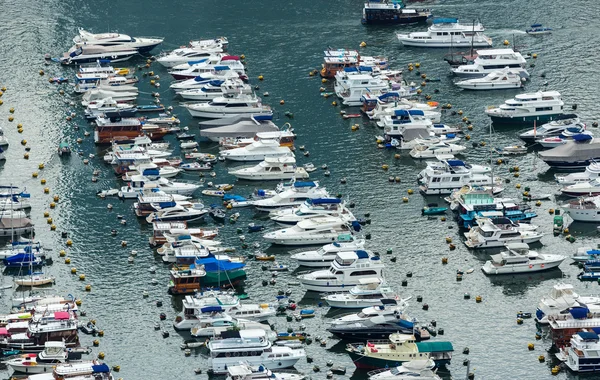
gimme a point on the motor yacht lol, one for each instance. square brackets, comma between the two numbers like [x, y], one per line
[496, 80]
[209, 65]
[247, 372]
[431, 151]
[584, 209]
[447, 32]
[369, 292]
[79, 54]
[446, 176]
[414, 369]
[140, 182]
[321, 230]
[54, 353]
[188, 54]
[569, 135]
[376, 106]
[582, 189]
[97, 95]
[219, 73]
[217, 88]
[345, 272]
[204, 304]
[350, 86]
[141, 44]
[492, 60]
[77, 370]
[252, 347]
[551, 129]
[326, 254]
[257, 151]
[527, 109]
[293, 195]
[311, 208]
[402, 118]
[582, 355]
[272, 169]
[578, 153]
[231, 106]
[498, 232]
[378, 12]
[177, 213]
[214, 327]
[518, 258]
[562, 297]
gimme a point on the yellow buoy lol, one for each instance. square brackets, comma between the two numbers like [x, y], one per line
[3, 89]
[467, 137]
[324, 80]
[12, 110]
[478, 299]
[56, 198]
[20, 130]
[334, 103]
[46, 190]
[526, 193]
[448, 239]
[101, 355]
[243, 56]
[538, 203]
[1, 102]
[518, 185]
[152, 82]
[444, 260]
[42, 181]
[385, 166]
[67, 261]
[506, 43]
[52, 204]
[282, 102]
[363, 44]
[46, 214]
[100, 333]
[88, 288]
[410, 68]
[404, 199]
[116, 368]
[397, 156]
[354, 127]
[49, 220]
[424, 76]
[566, 230]
[409, 191]
[78, 302]
[419, 91]
[23, 142]
[423, 84]
[460, 112]
[69, 242]
[10, 118]
[81, 277]
[53, 227]
[19, 125]
[26, 156]
[530, 346]
[555, 370]
[229, 206]
[96, 342]
[260, 77]
[499, 161]
[417, 65]
[34, 174]
[41, 72]
[62, 253]
[551, 211]
[41, 165]
[73, 270]
[534, 56]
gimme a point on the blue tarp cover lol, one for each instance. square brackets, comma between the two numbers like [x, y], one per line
[362, 254]
[455, 163]
[319, 201]
[586, 335]
[582, 137]
[579, 312]
[101, 368]
[401, 112]
[304, 184]
[211, 264]
[416, 112]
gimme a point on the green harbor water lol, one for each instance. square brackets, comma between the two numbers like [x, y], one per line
[284, 41]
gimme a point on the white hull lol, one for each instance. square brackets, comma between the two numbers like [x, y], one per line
[220, 365]
[585, 215]
[501, 243]
[257, 157]
[324, 262]
[519, 268]
[328, 287]
[305, 240]
[33, 369]
[353, 304]
[266, 176]
[444, 43]
[488, 86]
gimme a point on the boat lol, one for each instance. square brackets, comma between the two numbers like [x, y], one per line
[446, 176]
[204, 305]
[345, 271]
[326, 254]
[490, 61]
[578, 153]
[64, 149]
[311, 208]
[205, 272]
[447, 32]
[195, 166]
[350, 85]
[518, 258]
[498, 232]
[43, 327]
[35, 279]
[177, 213]
[79, 54]
[432, 150]
[433, 210]
[319, 230]
[369, 292]
[98, 95]
[220, 73]
[189, 144]
[253, 347]
[3, 139]
[377, 12]
[272, 169]
[257, 151]
[140, 183]
[581, 355]
[512, 150]
[107, 129]
[553, 142]
[79, 370]
[414, 369]
[294, 195]
[215, 326]
[584, 254]
[141, 44]
[189, 54]
[584, 209]
[213, 66]
[235, 127]
[583, 189]
[527, 109]
[336, 60]
[496, 80]
[54, 353]
[538, 29]
[13, 225]
[552, 129]
[378, 326]
[398, 349]
[217, 88]
[247, 372]
[231, 106]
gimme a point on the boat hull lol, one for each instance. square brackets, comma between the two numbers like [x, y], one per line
[500, 243]
[457, 43]
[211, 279]
[488, 86]
[584, 215]
[516, 269]
[327, 286]
[353, 304]
[526, 120]
[220, 366]
[355, 334]
[219, 114]
[310, 240]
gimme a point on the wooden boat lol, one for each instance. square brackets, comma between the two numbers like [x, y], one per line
[264, 257]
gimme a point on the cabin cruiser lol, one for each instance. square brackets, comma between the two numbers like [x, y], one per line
[209, 65]
[285, 137]
[446, 176]
[292, 196]
[204, 305]
[414, 369]
[321, 230]
[97, 95]
[498, 232]
[245, 126]
[582, 189]
[78, 370]
[380, 12]
[91, 53]
[117, 83]
[518, 258]
[562, 297]
[188, 54]
[403, 118]
[495, 80]
[326, 254]
[253, 347]
[431, 151]
[177, 213]
[578, 153]
[257, 151]
[139, 182]
[232, 106]
[569, 135]
[311, 208]
[214, 327]
[350, 86]
[447, 32]
[527, 109]
[272, 169]
[551, 129]
[54, 353]
[244, 371]
[217, 74]
[582, 355]
[141, 44]
[108, 105]
[584, 209]
[376, 106]
[345, 272]
[150, 171]
[217, 88]
[492, 60]
[369, 292]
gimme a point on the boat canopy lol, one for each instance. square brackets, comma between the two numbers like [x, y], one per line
[362, 254]
[435, 347]
[579, 312]
[233, 197]
[343, 238]
[536, 25]
[391, 94]
[405, 324]
[588, 335]
[582, 137]
[320, 201]
[572, 152]
[218, 68]
[370, 280]
[262, 117]
[191, 63]
[365, 68]
[230, 58]
[216, 82]
[211, 309]
[305, 184]
[4, 331]
[101, 368]
[388, 301]
[445, 21]
[62, 315]
[455, 163]
[416, 112]
[593, 252]
[351, 69]
[211, 264]
[401, 113]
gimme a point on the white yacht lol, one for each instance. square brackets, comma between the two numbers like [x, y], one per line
[311, 208]
[369, 292]
[198, 82]
[569, 135]
[117, 83]
[216, 88]
[252, 347]
[551, 129]
[188, 54]
[209, 65]
[216, 326]
[448, 32]
[177, 213]
[402, 118]
[537, 107]
[345, 271]
[326, 254]
[582, 355]
[431, 151]
[96, 95]
[496, 80]
[205, 304]
[79, 54]
[272, 169]
[291, 196]
[351, 86]
[246, 126]
[246, 372]
[253, 312]
[518, 258]
[446, 176]
[490, 233]
[562, 297]
[321, 230]
[151, 171]
[583, 209]
[582, 189]
[387, 103]
[232, 106]
[257, 151]
[54, 353]
[414, 369]
[139, 182]
[491, 60]
[141, 44]
[389, 307]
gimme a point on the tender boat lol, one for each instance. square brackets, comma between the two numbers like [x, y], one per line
[232, 106]
[311, 208]
[272, 169]
[326, 254]
[551, 129]
[447, 32]
[321, 230]
[252, 347]
[398, 349]
[257, 151]
[141, 44]
[527, 109]
[518, 258]
[488, 61]
[384, 12]
[538, 29]
[496, 80]
[584, 209]
[414, 369]
[292, 196]
[369, 292]
[431, 151]
[498, 232]
[345, 272]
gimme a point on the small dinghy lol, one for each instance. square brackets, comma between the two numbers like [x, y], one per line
[538, 29]
[188, 144]
[255, 227]
[195, 166]
[264, 257]
[108, 193]
[433, 209]
[309, 167]
[185, 136]
[213, 193]
[513, 149]
[306, 313]
[276, 267]
[88, 328]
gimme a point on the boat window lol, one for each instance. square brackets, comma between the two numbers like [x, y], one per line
[455, 179]
[543, 109]
[363, 273]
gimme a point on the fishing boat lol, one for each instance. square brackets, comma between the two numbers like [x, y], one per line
[319, 230]
[398, 349]
[376, 12]
[54, 353]
[552, 129]
[583, 209]
[345, 271]
[518, 258]
[538, 29]
[498, 232]
[447, 32]
[527, 109]
[272, 169]
[326, 254]
[496, 80]
[369, 292]
[141, 44]
[414, 369]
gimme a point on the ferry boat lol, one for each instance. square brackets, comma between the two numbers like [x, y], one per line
[345, 272]
[491, 60]
[584, 209]
[398, 349]
[252, 347]
[272, 169]
[551, 129]
[447, 32]
[319, 230]
[518, 258]
[527, 109]
[392, 12]
[446, 176]
[326, 254]
[561, 298]
[583, 353]
[497, 232]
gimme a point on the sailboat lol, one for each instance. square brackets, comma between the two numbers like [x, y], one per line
[35, 279]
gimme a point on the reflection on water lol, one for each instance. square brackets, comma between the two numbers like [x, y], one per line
[519, 284]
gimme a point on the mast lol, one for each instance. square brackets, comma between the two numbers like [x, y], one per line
[472, 38]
